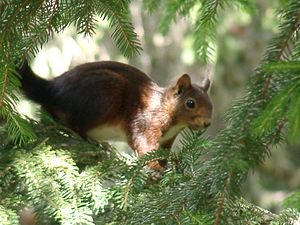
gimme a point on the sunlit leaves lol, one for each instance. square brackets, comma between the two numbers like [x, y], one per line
[151, 5]
[255, 123]
[284, 106]
[294, 116]
[205, 17]
[293, 201]
[173, 10]
[8, 216]
[18, 128]
[119, 16]
[205, 177]
[289, 66]
[48, 178]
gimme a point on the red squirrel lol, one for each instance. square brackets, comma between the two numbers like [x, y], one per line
[114, 101]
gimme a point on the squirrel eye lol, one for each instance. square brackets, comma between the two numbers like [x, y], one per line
[190, 103]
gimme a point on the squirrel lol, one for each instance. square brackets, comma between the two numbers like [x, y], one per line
[109, 100]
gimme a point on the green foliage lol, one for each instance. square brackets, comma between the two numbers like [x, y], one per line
[8, 216]
[171, 11]
[216, 182]
[293, 201]
[289, 66]
[283, 74]
[18, 128]
[204, 15]
[124, 36]
[283, 104]
[70, 181]
[289, 216]
[27, 25]
[48, 177]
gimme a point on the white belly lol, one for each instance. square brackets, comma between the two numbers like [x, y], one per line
[172, 132]
[107, 133]
[116, 133]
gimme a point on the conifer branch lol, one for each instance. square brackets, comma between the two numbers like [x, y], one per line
[171, 10]
[277, 133]
[222, 200]
[43, 35]
[136, 169]
[176, 219]
[8, 216]
[281, 45]
[8, 26]
[203, 187]
[4, 84]
[232, 143]
[294, 28]
[123, 34]
[129, 185]
[152, 5]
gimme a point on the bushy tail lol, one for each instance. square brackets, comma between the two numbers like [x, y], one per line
[34, 87]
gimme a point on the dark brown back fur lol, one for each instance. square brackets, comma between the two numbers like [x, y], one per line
[95, 93]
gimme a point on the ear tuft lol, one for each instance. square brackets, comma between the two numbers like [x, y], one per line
[206, 84]
[183, 82]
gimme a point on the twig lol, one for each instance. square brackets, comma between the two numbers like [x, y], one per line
[176, 218]
[4, 82]
[284, 45]
[221, 205]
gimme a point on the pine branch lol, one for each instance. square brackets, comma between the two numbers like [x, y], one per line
[246, 5]
[233, 152]
[221, 201]
[128, 186]
[4, 86]
[171, 11]
[206, 25]
[123, 34]
[287, 31]
[17, 127]
[294, 117]
[93, 189]
[40, 33]
[52, 191]
[29, 24]
[8, 216]
[151, 5]
[137, 178]
[203, 187]
[288, 66]
[205, 28]
[293, 201]
[278, 106]
[278, 48]
[86, 21]
[246, 213]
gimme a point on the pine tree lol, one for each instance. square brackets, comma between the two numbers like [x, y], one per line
[70, 181]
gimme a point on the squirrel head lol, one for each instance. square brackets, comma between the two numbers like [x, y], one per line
[193, 106]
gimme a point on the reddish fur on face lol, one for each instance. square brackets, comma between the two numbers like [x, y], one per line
[94, 97]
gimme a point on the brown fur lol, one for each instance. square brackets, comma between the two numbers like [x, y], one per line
[99, 95]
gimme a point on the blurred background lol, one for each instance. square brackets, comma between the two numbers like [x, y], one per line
[241, 43]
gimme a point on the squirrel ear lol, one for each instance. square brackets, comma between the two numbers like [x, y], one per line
[182, 83]
[205, 84]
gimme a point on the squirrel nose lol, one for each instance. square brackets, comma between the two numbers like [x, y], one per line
[206, 124]
[201, 122]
